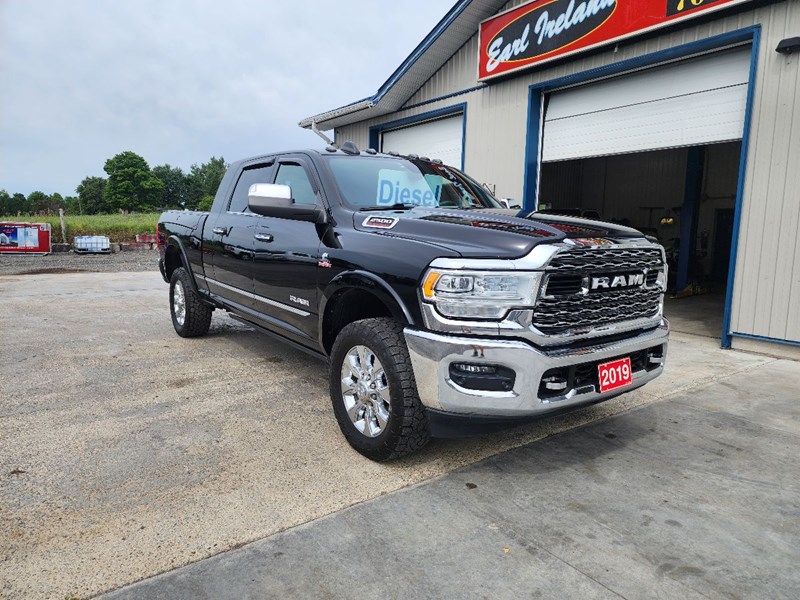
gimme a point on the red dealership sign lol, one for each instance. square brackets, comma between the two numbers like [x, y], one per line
[544, 30]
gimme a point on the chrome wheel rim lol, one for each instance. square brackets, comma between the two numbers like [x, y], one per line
[179, 303]
[365, 391]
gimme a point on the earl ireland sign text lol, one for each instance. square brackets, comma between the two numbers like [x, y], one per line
[545, 30]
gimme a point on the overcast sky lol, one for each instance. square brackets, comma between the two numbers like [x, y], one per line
[181, 81]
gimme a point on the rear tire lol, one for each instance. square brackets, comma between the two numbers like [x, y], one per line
[191, 317]
[373, 391]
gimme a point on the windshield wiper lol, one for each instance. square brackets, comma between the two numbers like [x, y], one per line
[398, 206]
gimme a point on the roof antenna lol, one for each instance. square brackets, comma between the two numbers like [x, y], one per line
[328, 140]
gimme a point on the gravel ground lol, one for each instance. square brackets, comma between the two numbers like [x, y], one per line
[69, 262]
[126, 451]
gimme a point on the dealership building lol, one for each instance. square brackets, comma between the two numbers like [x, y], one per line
[678, 117]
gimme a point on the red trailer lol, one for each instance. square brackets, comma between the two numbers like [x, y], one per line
[24, 238]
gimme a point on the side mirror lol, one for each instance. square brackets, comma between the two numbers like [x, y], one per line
[273, 200]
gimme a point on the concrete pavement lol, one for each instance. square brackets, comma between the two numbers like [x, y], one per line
[126, 451]
[694, 497]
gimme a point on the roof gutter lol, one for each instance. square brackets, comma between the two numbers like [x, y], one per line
[337, 112]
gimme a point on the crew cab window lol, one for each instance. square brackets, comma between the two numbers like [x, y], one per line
[251, 175]
[295, 177]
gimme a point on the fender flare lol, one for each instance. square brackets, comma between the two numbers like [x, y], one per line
[364, 280]
[176, 242]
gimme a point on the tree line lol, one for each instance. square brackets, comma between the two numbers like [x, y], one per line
[130, 186]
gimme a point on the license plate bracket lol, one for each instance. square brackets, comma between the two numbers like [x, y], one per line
[615, 374]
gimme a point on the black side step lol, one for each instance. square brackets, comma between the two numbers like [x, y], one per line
[279, 337]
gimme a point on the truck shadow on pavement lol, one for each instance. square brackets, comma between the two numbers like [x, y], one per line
[269, 355]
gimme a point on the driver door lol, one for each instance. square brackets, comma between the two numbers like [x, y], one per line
[286, 255]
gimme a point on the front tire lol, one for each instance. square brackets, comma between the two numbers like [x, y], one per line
[373, 390]
[191, 317]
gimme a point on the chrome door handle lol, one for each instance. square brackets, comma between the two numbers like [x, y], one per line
[264, 237]
[220, 231]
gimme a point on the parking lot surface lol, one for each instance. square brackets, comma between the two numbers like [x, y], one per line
[126, 451]
[695, 497]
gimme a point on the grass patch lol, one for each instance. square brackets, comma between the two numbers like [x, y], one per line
[118, 228]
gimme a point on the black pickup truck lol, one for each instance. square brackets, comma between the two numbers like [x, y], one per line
[439, 312]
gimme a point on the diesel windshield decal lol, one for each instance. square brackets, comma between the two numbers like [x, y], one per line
[380, 222]
[407, 187]
[543, 30]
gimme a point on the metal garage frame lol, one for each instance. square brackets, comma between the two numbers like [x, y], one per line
[537, 92]
[449, 111]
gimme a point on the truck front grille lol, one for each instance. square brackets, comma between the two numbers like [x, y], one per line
[567, 305]
[605, 260]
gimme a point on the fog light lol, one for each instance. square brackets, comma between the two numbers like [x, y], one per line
[490, 378]
[475, 369]
[655, 357]
[555, 383]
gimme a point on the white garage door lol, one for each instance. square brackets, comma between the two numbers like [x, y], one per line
[440, 139]
[700, 101]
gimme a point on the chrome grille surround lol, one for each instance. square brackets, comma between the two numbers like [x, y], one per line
[565, 258]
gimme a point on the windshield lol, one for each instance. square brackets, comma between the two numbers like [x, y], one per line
[374, 183]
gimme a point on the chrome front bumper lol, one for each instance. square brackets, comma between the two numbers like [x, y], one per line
[432, 353]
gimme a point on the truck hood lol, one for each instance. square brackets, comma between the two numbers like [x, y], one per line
[484, 233]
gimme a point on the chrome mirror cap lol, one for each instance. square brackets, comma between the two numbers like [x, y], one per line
[262, 196]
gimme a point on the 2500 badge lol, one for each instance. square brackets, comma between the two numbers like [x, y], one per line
[546, 28]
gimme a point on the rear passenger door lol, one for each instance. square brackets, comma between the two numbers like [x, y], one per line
[232, 241]
[286, 255]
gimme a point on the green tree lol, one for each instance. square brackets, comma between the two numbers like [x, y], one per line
[5, 203]
[204, 180]
[56, 203]
[205, 203]
[73, 205]
[131, 185]
[18, 204]
[176, 186]
[92, 196]
[38, 202]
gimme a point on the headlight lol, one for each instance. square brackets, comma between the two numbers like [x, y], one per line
[479, 294]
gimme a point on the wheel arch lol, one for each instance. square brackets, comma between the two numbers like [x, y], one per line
[355, 295]
[174, 257]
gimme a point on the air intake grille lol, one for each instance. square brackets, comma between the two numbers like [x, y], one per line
[564, 307]
[598, 260]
